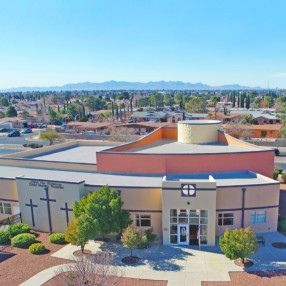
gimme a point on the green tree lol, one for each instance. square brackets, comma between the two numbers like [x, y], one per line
[79, 231]
[247, 102]
[157, 100]
[238, 243]
[94, 103]
[123, 95]
[25, 114]
[196, 105]
[72, 111]
[214, 101]
[131, 238]
[105, 207]
[50, 136]
[11, 111]
[4, 101]
[179, 100]
[2, 114]
[169, 100]
[52, 115]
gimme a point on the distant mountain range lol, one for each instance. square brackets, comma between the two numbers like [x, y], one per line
[124, 85]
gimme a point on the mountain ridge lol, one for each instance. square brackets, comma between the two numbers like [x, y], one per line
[125, 85]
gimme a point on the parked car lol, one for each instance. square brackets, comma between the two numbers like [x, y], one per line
[42, 125]
[4, 130]
[33, 125]
[26, 131]
[14, 133]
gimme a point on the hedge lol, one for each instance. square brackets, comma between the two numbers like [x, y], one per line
[57, 238]
[282, 224]
[280, 170]
[4, 237]
[37, 248]
[275, 174]
[23, 240]
[18, 228]
[284, 177]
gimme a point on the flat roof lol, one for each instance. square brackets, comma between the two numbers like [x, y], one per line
[73, 154]
[247, 178]
[172, 146]
[95, 179]
[200, 122]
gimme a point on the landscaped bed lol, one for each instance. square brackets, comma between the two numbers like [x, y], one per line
[17, 264]
[255, 278]
[56, 281]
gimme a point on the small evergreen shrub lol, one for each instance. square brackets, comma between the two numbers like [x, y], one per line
[4, 237]
[143, 243]
[23, 240]
[284, 177]
[57, 238]
[275, 174]
[282, 224]
[18, 228]
[37, 248]
[151, 236]
[280, 170]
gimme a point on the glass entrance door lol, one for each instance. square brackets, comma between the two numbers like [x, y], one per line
[183, 234]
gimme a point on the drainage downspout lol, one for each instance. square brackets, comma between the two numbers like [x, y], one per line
[242, 207]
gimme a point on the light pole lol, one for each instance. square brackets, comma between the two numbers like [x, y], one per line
[74, 125]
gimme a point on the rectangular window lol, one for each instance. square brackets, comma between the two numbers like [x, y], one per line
[258, 217]
[7, 208]
[142, 220]
[1, 208]
[225, 219]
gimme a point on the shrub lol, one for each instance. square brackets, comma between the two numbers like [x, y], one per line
[282, 224]
[143, 243]
[18, 228]
[275, 174]
[57, 238]
[151, 236]
[4, 237]
[284, 177]
[23, 240]
[280, 170]
[37, 248]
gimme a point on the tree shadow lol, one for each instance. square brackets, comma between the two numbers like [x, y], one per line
[157, 257]
[5, 255]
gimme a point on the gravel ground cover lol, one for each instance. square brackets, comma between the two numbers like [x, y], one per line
[255, 278]
[17, 265]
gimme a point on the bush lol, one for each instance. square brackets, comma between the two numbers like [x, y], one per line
[18, 228]
[4, 237]
[282, 224]
[284, 177]
[57, 238]
[23, 240]
[37, 248]
[143, 243]
[151, 236]
[280, 170]
[275, 174]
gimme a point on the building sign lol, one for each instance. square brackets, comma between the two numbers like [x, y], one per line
[45, 184]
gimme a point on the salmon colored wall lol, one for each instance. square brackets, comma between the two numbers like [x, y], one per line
[156, 135]
[260, 162]
[227, 139]
[257, 133]
[170, 133]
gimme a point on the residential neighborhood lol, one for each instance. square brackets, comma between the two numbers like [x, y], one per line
[143, 143]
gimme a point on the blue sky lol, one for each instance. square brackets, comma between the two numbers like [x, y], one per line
[55, 42]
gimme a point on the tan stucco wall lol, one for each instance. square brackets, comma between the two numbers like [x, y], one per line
[255, 197]
[204, 200]
[198, 133]
[8, 194]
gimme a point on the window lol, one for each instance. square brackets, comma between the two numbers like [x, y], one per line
[225, 219]
[258, 217]
[188, 190]
[5, 208]
[142, 220]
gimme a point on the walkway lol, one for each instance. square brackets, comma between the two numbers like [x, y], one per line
[178, 265]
